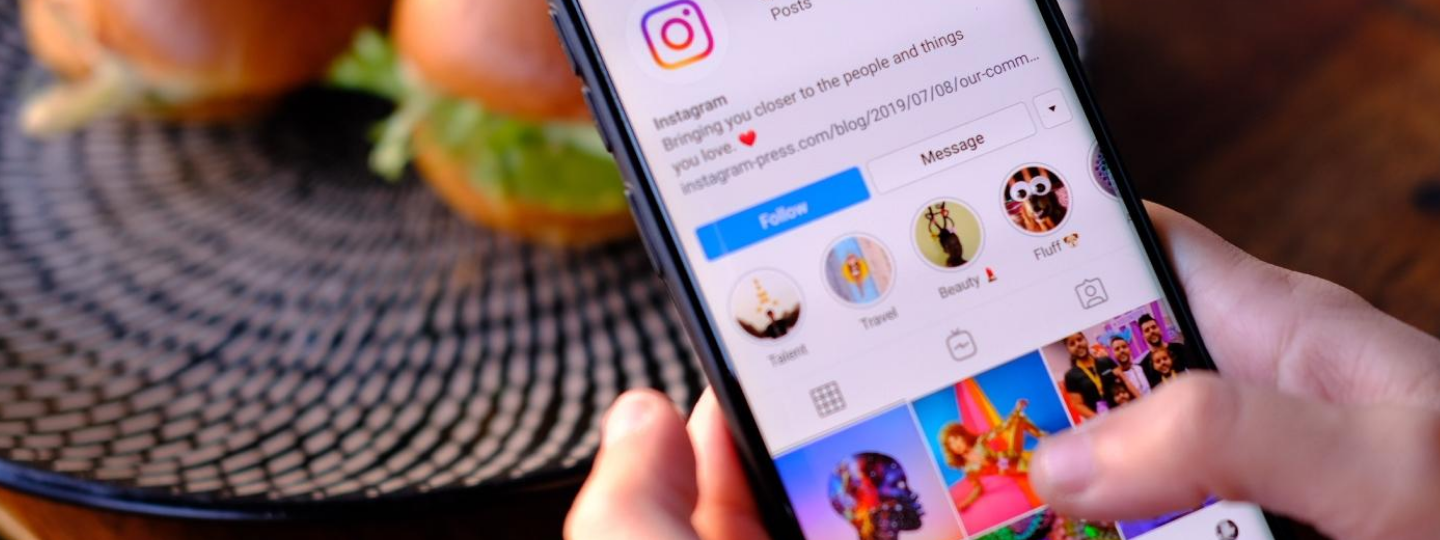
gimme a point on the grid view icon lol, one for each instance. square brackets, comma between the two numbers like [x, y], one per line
[828, 399]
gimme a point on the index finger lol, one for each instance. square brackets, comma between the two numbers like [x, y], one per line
[1297, 332]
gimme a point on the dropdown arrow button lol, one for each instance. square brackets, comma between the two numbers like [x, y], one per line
[1053, 108]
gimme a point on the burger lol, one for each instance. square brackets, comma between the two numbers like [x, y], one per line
[182, 59]
[491, 114]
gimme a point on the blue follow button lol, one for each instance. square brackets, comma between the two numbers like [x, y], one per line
[783, 214]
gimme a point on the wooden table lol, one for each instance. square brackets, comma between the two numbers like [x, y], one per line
[1306, 132]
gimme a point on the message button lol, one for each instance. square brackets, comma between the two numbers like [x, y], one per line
[951, 148]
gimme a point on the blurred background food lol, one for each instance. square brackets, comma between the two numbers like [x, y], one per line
[486, 103]
[183, 59]
[489, 108]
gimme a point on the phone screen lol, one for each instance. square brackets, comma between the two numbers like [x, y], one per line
[899, 224]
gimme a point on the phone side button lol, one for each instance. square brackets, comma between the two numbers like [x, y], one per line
[600, 123]
[645, 237]
[566, 44]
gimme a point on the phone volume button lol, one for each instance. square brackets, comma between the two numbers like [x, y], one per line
[566, 43]
[646, 239]
[600, 123]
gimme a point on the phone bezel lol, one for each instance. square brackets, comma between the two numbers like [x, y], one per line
[662, 243]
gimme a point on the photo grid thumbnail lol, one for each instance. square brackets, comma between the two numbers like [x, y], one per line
[1126, 358]
[871, 481]
[982, 432]
[1048, 525]
[1116, 362]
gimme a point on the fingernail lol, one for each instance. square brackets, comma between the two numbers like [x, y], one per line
[629, 413]
[1066, 463]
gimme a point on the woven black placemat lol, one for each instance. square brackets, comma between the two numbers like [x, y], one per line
[220, 321]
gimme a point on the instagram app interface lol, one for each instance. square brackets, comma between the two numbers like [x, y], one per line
[904, 233]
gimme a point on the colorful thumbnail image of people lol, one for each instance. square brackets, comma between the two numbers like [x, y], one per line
[1048, 525]
[982, 432]
[766, 304]
[1121, 360]
[948, 234]
[1126, 358]
[870, 481]
[859, 270]
[1037, 200]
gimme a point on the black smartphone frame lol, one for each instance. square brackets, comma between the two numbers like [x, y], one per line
[662, 244]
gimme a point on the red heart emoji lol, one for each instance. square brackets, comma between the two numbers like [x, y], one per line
[748, 138]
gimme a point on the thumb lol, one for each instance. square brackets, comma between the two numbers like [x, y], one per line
[643, 484]
[1353, 472]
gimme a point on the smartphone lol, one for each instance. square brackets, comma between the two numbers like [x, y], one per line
[904, 248]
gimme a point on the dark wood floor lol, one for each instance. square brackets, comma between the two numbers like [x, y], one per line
[1306, 132]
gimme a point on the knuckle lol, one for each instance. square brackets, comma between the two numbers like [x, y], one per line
[1324, 292]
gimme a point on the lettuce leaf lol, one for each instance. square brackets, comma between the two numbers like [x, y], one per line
[555, 164]
[562, 166]
[371, 65]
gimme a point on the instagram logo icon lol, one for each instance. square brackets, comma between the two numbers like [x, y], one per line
[678, 34]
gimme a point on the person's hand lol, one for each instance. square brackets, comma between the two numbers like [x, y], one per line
[653, 480]
[1329, 411]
